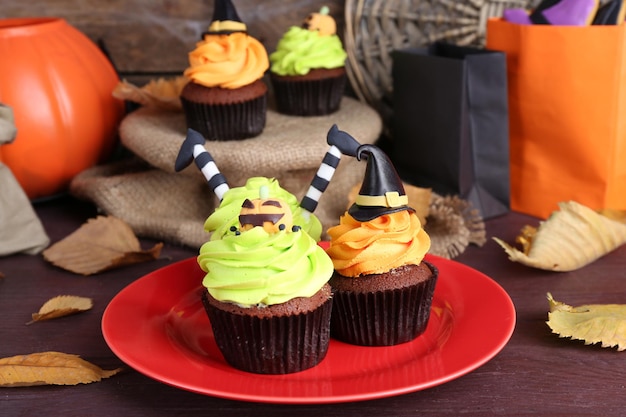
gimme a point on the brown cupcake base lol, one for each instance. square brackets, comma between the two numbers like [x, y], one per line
[266, 344]
[315, 94]
[382, 317]
[222, 114]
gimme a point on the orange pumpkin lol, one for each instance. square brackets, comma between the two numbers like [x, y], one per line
[321, 22]
[59, 85]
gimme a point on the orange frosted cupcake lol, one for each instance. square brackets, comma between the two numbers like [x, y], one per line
[382, 287]
[226, 98]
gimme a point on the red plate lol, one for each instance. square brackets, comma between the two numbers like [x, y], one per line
[158, 326]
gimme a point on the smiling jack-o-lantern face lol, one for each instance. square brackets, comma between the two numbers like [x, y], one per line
[272, 214]
[321, 22]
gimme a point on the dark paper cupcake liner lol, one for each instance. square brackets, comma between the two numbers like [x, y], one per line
[383, 318]
[277, 345]
[308, 97]
[222, 122]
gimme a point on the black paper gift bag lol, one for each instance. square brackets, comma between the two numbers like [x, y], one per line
[450, 123]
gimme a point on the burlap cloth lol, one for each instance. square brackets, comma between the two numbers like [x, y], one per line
[159, 203]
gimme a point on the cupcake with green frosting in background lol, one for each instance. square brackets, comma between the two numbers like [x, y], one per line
[307, 70]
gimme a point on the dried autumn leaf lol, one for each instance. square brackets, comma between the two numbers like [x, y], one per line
[594, 323]
[103, 243]
[62, 305]
[161, 93]
[569, 239]
[617, 215]
[49, 368]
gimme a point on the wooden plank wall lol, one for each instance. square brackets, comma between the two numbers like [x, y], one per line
[148, 37]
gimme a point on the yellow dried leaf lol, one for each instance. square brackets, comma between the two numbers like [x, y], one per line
[572, 237]
[525, 238]
[103, 243]
[62, 305]
[617, 215]
[594, 323]
[161, 93]
[49, 368]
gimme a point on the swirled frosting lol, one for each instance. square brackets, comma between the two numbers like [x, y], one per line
[301, 50]
[227, 61]
[377, 246]
[259, 268]
[227, 214]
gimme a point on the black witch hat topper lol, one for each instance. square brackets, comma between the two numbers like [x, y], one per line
[225, 19]
[382, 191]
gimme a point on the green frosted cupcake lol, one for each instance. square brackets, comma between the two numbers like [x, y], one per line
[307, 69]
[267, 293]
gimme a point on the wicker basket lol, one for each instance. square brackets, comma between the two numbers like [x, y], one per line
[374, 28]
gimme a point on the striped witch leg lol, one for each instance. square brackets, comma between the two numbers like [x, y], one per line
[342, 140]
[323, 176]
[340, 143]
[193, 149]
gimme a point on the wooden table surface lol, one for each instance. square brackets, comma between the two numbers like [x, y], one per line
[537, 373]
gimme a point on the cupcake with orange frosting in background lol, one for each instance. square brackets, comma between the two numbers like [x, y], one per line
[308, 68]
[382, 287]
[226, 97]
